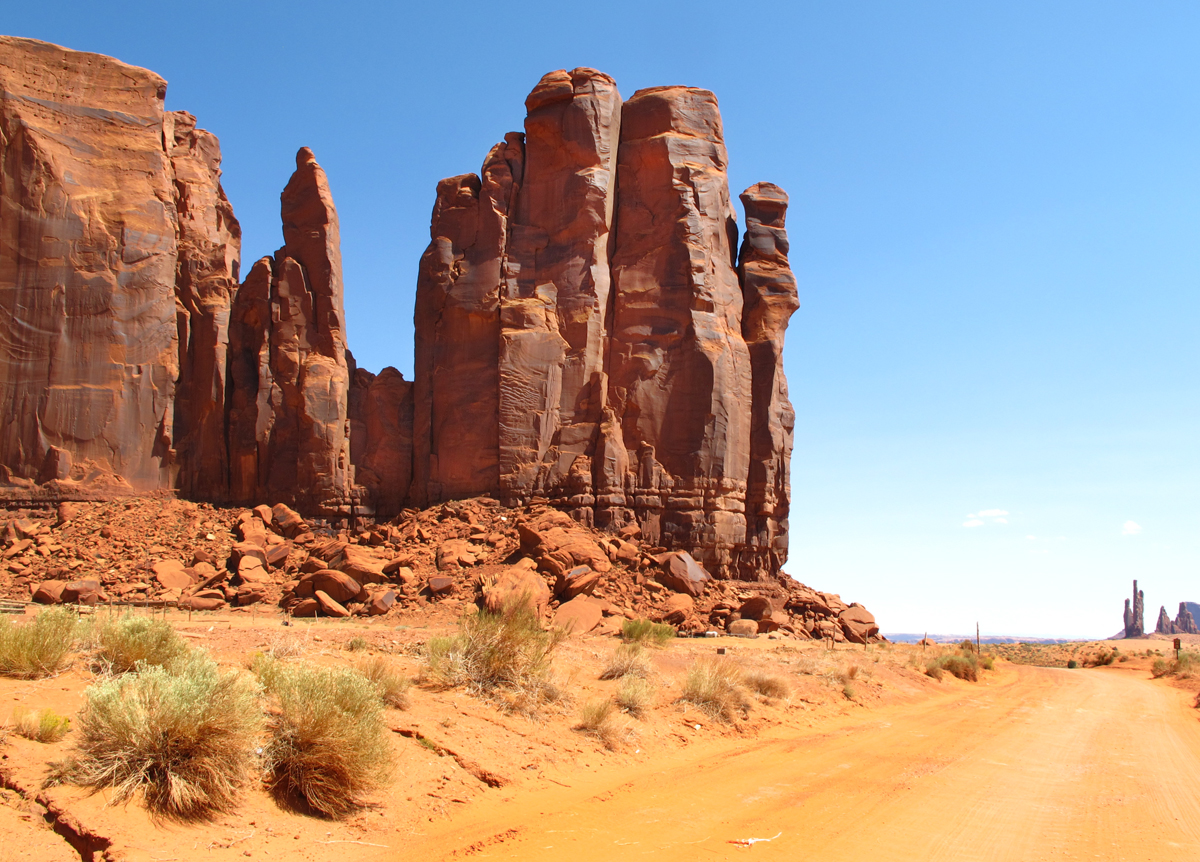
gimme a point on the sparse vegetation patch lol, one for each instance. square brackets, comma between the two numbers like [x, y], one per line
[122, 643]
[715, 685]
[647, 633]
[185, 738]
[39, 647]
[40, 725]
[328, 749]
[628, 659]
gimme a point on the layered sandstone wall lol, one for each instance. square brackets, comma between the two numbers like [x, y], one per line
[587, 332]
[639, 362]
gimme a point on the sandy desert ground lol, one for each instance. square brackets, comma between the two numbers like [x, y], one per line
[868, 758]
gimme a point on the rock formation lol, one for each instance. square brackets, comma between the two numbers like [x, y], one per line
[1135, 614]
[289, 377]
[587, 332]
[1185, 623]
[639, 371]
[1164, 626]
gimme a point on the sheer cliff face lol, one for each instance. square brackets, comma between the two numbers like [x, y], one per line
[118, 258]
[586, 330]
[638, 363]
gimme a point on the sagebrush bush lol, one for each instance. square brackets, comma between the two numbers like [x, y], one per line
[647, 633]
[1072, 664]
[714, 685]
[40, 725]
[987, 662]
[635, 695]
[357, 644]
[185, 737]
[766, 684]
[493, 652]
[387, 679]
[596, 719]
[38, 647]
[328, 745]
[122, 643]
[934, 669]
[628, 659]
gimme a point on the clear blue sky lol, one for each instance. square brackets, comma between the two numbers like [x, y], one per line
[995, 225]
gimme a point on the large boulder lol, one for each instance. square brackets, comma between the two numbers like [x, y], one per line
[679, 572]
[519, 584]
[858, 624]
[578, 616]
[337, 585]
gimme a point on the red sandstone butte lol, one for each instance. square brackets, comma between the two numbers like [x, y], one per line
[583, 332]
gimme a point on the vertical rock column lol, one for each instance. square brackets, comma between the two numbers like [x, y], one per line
[769, 289]
[381, 422]
[556, 291]
[88, 339]
[289, 379]
[209, 240]
[456, 381]
[680, 374]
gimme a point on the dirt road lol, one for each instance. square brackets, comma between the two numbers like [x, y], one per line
[1039, 764]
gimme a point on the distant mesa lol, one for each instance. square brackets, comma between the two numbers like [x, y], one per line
[589, 332]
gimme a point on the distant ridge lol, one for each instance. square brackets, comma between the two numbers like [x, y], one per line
[910, 638]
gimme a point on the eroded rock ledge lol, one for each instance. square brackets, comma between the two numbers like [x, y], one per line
[588, 333]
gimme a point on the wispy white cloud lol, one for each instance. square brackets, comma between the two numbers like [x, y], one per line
[1130, 528]
[993, 513]
[973, 522]
[995, 516]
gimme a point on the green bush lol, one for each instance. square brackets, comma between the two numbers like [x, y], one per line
[40, 725]
[39, 647]
[328, 748]
[962, 665]
[715, 685]
[184, 737]
[647, 633]
[492, 652]
[122, 643]
[1072, 664]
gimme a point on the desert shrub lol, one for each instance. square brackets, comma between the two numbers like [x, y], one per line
[934, 669]
[121, 643]
[647, 633]
[597, 719]
[184, 737]
[38, 647]
[766, 685]
[987, 662]
[962, 666]
[387, 679]
[492, 652]
[714, 685]
[848, 692]
[967, 646]
[40, 725]
[1159, 668]
[635, 695]
[628, 659]
[357, 644]
[328, 747]
[1072, 664]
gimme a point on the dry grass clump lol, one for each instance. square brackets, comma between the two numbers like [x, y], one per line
[647, 633]
[122, 643]
[628, 659]
[357, 644]
[39, 647]
[40, 725]
[1184, 667]
[387, 679]
[493, 653]
[184, 737]
[635, 695]
[766, 684]
[962, 665]
[714, 685]
[328, 749]
[597, 719]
